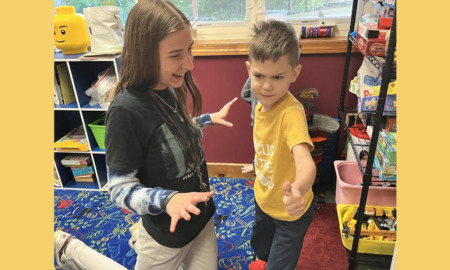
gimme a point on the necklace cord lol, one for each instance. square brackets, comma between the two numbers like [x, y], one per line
[189, 143]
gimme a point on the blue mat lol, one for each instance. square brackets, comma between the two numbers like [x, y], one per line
[94, 219]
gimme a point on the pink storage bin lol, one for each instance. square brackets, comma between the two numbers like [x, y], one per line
[348, 190]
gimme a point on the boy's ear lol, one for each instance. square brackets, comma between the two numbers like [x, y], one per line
[296, 72]
[247, 64]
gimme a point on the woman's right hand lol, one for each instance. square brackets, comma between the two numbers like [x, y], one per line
[182, 204]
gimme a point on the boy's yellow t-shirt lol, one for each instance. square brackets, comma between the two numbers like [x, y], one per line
[275, 133]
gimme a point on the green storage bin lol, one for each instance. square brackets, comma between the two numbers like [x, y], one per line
[98, 129]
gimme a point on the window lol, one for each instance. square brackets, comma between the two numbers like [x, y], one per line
[235, 10]
[225, 19]
[298, 10]
[213, 11]
[124, 5]
[231, 19]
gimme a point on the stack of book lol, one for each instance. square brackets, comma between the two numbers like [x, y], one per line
[80, 166]
[74, 141]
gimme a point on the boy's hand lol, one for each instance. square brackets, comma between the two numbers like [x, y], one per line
[293, 199]
[182, 204]
[218, 118]
[247, 169]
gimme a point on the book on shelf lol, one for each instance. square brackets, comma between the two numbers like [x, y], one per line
[56, 179]
[57, 95]
[82, 171]
[75, 140]
[67, 91]
[72, 160]
[88, 178]
[75, 166]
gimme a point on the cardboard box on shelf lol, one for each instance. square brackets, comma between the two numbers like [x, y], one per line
[370, 46]
[371, 30]
[370, 103]
[391, 124]
[386, 167]
[379, 170]
[387, 143]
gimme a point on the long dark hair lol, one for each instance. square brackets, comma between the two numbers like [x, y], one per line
[149, 22]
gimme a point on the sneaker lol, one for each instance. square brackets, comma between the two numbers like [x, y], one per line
[257, 265]
[62, 239]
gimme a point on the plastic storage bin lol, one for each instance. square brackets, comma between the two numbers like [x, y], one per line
[98, 129]
[348, 190]
[380, 247]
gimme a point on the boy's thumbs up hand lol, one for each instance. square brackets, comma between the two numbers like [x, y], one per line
[293, 199]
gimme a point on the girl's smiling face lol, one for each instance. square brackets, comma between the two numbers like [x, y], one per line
[175, 56]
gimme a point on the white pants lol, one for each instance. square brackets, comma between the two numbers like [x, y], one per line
[78, 256]
[200, 254]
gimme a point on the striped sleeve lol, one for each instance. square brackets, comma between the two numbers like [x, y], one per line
[126, 191]
[203, 120]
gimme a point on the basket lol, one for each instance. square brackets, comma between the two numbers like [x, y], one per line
[98, 129]
[365, 246]
[348, 188]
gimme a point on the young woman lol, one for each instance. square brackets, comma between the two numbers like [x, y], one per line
[155, 161]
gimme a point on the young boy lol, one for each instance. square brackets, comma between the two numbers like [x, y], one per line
[284, 168]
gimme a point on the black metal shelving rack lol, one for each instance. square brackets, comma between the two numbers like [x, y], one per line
[386, 70]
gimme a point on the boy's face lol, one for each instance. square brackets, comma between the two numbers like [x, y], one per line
[270, 79]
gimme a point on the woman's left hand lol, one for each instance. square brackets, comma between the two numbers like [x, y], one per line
[218, 118]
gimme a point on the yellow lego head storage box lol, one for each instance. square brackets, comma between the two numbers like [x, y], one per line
[71, 34]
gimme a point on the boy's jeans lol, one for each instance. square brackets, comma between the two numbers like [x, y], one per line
[277, 242]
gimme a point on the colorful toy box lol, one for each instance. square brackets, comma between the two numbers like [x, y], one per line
[370, 103]
[386, 167]
[370, 46]
[387, 144]
[379, 171]
[371, 246]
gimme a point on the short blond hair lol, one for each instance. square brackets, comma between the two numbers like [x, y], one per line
[273, 39]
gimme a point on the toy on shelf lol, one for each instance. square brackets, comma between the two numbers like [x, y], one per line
[70, 33]
[305, 96]
[316, 31]
[379, 223]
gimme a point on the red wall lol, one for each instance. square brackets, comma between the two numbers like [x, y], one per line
[221, 78]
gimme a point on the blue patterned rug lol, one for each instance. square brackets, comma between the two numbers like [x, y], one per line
[94, 219]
